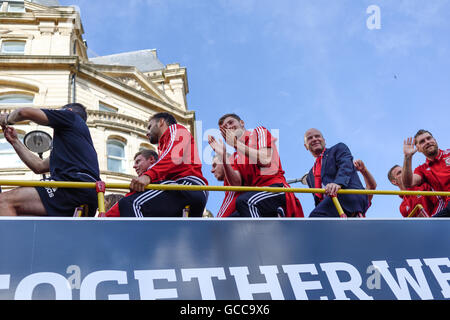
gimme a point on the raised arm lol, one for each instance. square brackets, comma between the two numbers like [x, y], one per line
[369, 180]
[22, 114]
[31, 160]
[408, 177]
[233, 176]
[261, 156]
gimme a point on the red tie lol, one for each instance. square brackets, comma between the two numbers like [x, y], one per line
[317, 170]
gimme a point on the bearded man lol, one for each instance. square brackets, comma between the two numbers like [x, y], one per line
[436, 169]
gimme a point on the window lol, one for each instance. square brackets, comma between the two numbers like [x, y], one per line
[104, 107]
[8, 155]
[16, 98]
[115, 150]
[16, 7]
[13, 47]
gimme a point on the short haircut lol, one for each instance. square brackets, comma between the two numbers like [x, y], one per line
[390, 177]
[421, 131]
[320, 132]
[112, 199]
[147, 153]
[78, 108]
[233, 115]
[168, 118]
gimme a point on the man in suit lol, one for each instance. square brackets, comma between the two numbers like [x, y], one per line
[333, 170]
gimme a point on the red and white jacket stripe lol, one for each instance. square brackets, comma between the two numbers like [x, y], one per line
[178, 156]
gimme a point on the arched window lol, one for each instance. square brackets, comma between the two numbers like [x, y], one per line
[13, 47]
[115, 150]
[16, 98]
[8, 156]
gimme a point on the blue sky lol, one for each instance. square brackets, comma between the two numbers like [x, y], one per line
[290, 65]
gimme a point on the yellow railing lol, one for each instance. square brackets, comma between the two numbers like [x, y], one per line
[415, 212]
[102, 186]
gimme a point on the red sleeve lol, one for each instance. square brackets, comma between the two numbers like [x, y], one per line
[408, 205]
[404, 208]
[431, 204]
[264, 138]
[238, 163]
[419, 172]
[293, 207]
[114, 211]
[435, 204]
[233, 161]
[174, 153]
[228, 206]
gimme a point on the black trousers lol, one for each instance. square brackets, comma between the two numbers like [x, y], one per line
[325, 209]
[444, 213]
[165, 203]
[261, 204]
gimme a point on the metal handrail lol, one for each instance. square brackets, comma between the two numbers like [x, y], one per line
[101, 186]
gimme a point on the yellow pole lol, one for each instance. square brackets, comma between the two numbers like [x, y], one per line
[338, 207]
[50, 184]
[416, 208]
[100, 187]
[101, 204]
[270, 189]
[68, 184]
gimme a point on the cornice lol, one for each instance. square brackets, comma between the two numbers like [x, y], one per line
[39, 61]
[72, 64]
[35, 16]
[117, 122]
[114, 83]
[117, 73]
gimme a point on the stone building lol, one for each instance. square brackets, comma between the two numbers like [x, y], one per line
[44, 64]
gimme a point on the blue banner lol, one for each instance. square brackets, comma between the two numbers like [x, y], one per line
[224, 259]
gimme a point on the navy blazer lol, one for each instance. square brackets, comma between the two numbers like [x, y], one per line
[337, 167]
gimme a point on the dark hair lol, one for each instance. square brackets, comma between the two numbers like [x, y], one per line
[78, 108]
[147, 153]
[233, 115]
[390, 177]
[168, 118]
[421, 131]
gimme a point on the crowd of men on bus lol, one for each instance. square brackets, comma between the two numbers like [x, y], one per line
[254, 163]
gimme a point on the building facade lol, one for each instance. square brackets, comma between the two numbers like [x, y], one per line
[44, 64]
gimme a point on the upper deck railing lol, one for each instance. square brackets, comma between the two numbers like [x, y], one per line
[101, 187]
